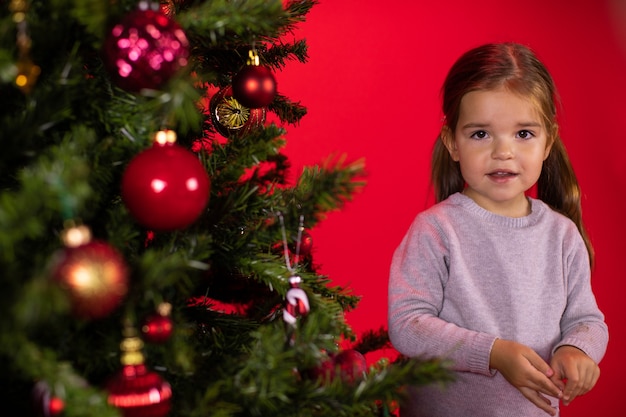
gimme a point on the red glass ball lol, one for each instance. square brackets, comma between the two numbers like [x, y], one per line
[254, 86]
[96, 277]
[57, 405]
[157, 328]
[138, 392]
[351, 363]
[165, 187]
[46, 404]
[144, 50]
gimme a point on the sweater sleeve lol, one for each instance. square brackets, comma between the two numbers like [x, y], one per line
[582, 323]
[417, 279]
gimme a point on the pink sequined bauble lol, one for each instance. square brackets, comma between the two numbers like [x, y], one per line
[165, 187]
[145, 50]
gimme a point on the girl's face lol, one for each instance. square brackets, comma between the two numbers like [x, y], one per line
[500, 143]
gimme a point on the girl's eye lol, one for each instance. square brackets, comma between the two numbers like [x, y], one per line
[525, 134]
[480, 134]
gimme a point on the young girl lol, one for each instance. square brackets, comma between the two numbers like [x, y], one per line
[493, 280]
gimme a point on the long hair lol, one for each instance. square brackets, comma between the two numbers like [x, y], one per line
[517, 68]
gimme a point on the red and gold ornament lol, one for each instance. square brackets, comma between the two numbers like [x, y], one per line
[230, 117]
[135, 390]
[145, 50]
[254, 86]
[165, 187]
[94, 273]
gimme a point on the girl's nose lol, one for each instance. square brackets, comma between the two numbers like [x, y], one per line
[502, 149]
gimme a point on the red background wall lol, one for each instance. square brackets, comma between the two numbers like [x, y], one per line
[372, 90]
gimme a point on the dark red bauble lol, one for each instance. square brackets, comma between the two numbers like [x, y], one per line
[95, 276]
[230, 117]
[306, 245]
[254, 86]
[351, 363]
[157, 328]
[138, 392]
[325, 371]
[145, 50]
[165, 187]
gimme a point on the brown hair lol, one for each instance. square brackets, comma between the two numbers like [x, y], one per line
[517, 68]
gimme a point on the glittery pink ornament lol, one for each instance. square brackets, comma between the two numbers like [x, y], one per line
[144, 50]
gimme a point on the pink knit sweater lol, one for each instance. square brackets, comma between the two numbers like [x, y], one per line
[463, 276]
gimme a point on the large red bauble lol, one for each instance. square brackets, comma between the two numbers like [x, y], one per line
[96, 277]
[165, 187]
[254, 86]
[138, 392]
[144, 50]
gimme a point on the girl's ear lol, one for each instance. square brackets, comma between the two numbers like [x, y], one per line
[447, 137]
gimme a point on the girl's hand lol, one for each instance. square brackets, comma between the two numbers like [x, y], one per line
[526, 371]
[579, 370]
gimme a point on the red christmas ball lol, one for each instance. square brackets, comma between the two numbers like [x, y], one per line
[254, 86]
[46, 404]
[351, 364]
[325, 371]
[157, 328]
[305, 245]
[96, 277]
[165, 187]
[57, 405]
[231, 117]
[138, 392]
[144, 50]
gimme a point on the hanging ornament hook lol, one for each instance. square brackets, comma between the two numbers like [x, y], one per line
[253, 57]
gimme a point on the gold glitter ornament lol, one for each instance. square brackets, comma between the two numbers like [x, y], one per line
[231, 117]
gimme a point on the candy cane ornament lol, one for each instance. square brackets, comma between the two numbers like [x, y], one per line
[297, 301]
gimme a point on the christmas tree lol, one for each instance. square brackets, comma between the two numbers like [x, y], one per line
[155, 253]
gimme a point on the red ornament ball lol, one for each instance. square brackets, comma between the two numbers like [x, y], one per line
[138, 392]
[144, 50]
[230, 117]
[254, 86]
[57, 405]
[305, 245]
[349, 365]
[165, 187]
[46, 404]
[157, 328]
[95, 276]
